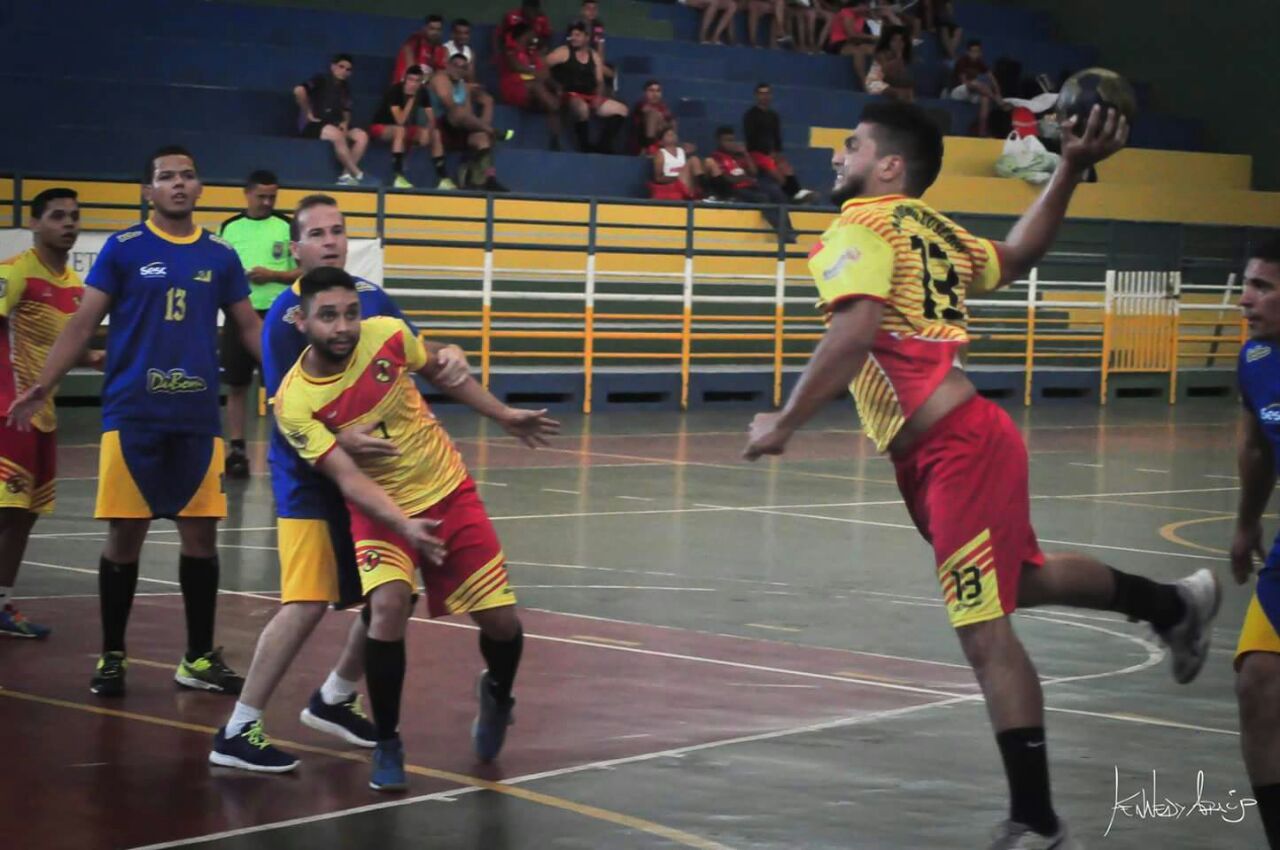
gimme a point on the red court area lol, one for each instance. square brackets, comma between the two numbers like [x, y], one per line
[130, 772]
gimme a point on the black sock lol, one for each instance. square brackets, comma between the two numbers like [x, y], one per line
[1026, 766]
[1268, 797]
[397, 163]
[609, 136]
[723, 187]
[116, 584]
[503, 658]
[199, 580]
[791, 186]
[438, 162]
[237, 445]
[582, 132]
[1143, 599]
[384, 676]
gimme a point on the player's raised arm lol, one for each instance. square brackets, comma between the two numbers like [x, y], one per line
[531, 426]
[68, 350]
[1033, 235]
[1257, 480]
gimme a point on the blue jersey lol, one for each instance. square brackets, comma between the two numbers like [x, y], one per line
[1259, 378]
[162, 341]
[300, 491]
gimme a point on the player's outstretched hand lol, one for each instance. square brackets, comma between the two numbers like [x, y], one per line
[1245, 546]
[360, 443]
[452, 366]
[1100, 137]
[531, 426]
[26, 406]
[418, 533]
[765, 436]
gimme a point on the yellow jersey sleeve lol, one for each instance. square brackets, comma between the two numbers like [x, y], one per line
[12, 283]
[295, 417]
[852, 261]
[986, 268]
[415, 351]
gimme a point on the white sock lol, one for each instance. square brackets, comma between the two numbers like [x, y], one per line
[5, 593]
[336, 689]
[242, 716]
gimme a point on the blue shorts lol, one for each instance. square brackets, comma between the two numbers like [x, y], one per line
[146, 474]
[317, 554]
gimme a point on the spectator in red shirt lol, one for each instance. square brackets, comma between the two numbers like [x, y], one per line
[580, 74]
[975, 83]
[524, 81]
[848, 36]
[677, 175]
[425, 48]
[530, 14]
[735, 177]
[460, 42]
[651, 117]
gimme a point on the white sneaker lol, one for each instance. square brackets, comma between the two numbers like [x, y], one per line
[802, 196]
[348, 180]
[1011, 835]
[1188, 641]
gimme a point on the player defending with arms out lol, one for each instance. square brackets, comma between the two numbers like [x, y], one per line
[893, 275]
[38, 293]
[317, 556]
[163, 282]
[1258, 653]
[419, 503]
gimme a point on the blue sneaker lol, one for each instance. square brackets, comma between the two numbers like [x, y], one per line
[13, 624]
[388, 767]
[346, 720]
[250, 750]
[489, 729]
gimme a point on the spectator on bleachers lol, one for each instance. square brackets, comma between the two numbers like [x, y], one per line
[460, 42]
[890, 74]
[717, 19]
[940, 19]
[733, 176]
[974, 82]
[524, 81]
[848, 36]
[595, 40]
[404, 119]
[425, 48]
[461, 129]
[531, 15]
[802, 20]
[762, 130]
[650, 116]
[580, 74]
[324, 105]
[776, 12]
[677, 175]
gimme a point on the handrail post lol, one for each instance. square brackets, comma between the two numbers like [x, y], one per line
[380, 214]
[1108, 305]
[1175, 283]
[17, 200]
[589, 310]
[486, 294]
[686, 310]
[1033, 283]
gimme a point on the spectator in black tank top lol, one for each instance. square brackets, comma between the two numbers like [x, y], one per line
[580, 73]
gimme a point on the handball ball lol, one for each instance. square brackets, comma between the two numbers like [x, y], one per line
[1095, 86]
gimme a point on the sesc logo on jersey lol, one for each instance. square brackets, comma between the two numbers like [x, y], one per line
[1257, 353]
[1270, 414]
[155, 269]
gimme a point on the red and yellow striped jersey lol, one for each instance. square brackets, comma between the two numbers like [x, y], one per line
[920, 265]
[35, 303]
[375, 387]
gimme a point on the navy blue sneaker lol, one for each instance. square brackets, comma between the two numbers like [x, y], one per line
[489, 729]
[250, 750]
[346, 720]
[388, 767]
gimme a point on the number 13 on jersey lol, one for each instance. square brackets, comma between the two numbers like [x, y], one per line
[175, 304]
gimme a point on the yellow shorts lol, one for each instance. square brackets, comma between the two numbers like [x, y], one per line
[1258, 634]
[145, 475]
[308, 563]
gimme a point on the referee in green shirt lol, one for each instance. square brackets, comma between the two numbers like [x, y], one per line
[260, 236]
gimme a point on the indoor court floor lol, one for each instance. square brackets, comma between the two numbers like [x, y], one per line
[719, 655]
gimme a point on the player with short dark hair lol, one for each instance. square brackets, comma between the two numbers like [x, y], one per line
[260, 237]
[1258, 652]
[893, 275]
[163, 282]
[417, 504]
[38, 293]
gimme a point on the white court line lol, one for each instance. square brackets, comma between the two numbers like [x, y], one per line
[634, 498]
[1089, 465]
[1156, 471]
[566, 492]
[1223, 477]
[490, 483]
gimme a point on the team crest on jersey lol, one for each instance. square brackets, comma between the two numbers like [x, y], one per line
[277, 250]
[371, 560]
[174, 381]
[384, 370]
[16, 484]
[850, 255]
[1270, 414]
[297, 438]
[1255, 354]
[204, 276]
[127, 235]
[292, 315]
[156, 269]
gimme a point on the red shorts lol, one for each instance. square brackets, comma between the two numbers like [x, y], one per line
[410, 135]
[965, 484]
[28, 465]
[593, 101]
[473, 576]
[673, 191]
[513, 90]
[764, 162]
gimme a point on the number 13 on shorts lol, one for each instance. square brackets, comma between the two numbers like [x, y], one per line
[969, 586]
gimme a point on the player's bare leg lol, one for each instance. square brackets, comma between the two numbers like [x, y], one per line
[15, 530]
[1258, 692]
[501, 644]
[278, 646]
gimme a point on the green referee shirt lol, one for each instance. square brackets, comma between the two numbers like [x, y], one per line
[261, 242]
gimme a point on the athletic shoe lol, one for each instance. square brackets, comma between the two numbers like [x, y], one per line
[108, 678]
[491, 184]
[209, 673]
[803, 196]
[504, 134]
[346, 720]
[1188, 641]
[250, 750]
[1011, 835]
[489, 729]
[348, 180]
[388, 767]
[237, 464]
[13, 624]
[446, 185]
[401, 182]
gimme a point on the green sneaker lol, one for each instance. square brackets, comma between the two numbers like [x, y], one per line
[401, 182]
[108, 677]
[209, 673]
[446, 184]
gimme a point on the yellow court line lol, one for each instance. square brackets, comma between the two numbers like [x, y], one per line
[676, 836]
[1169, 532]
